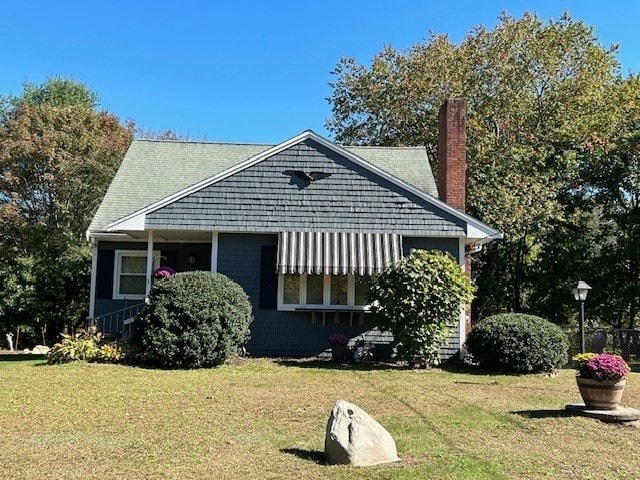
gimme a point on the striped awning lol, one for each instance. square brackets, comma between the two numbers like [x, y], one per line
[337, 253]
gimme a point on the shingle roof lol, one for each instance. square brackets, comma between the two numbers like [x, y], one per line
[152, 170]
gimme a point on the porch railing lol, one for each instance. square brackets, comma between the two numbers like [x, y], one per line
[119, 324]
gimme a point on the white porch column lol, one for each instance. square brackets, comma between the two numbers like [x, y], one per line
[149, 263]
[214, 251]
[463, 310]
[94, 273]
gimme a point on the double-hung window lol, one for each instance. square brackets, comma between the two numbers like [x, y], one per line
[130, 273]
[333, 292]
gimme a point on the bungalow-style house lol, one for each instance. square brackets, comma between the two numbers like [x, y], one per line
[301, 226]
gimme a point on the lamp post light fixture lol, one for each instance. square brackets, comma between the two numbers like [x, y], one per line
[580, 294]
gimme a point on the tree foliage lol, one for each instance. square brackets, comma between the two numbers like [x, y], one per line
[171, 135]
[598, 237]
[419, 300]
[57, 157]
[540, 95]
[59, 92]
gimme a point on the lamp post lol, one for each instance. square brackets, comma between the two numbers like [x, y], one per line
[580, 294]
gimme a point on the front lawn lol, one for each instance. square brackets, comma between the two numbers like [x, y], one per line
[264, 419]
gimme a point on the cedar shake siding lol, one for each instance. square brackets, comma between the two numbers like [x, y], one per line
[281, 333]
[264, 198]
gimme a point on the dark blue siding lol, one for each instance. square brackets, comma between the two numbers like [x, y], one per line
[276, 333]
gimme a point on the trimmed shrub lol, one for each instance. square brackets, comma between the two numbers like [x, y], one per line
[193, 320]
[419, 300]
[518, 343]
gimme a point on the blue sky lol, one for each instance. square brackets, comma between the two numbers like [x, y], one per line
[245, 71]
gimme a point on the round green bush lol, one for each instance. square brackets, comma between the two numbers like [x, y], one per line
[518, 343]
[193, 320]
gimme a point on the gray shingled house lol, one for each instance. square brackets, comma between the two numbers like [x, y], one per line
[301, 226]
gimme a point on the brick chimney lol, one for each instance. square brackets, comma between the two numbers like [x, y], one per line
[452, 152]
[452, 164]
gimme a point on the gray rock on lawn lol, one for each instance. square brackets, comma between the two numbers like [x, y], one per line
[354, 438]
[40, 350]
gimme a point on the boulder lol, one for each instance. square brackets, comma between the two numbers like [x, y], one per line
[40, 350]
[355, 438]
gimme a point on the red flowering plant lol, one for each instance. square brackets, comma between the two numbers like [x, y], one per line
[601, 366]
[338, 339]
[163, 272]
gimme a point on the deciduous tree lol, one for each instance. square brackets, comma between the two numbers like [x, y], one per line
[58, 154]
[537, 93]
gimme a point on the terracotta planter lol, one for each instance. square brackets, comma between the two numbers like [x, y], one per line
[601, 394]
[338, 353]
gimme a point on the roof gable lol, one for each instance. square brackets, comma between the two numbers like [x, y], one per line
[132, 221]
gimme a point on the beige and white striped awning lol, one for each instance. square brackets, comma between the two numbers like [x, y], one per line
[337, 253]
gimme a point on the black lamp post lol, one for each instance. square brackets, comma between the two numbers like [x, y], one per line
[580, 294]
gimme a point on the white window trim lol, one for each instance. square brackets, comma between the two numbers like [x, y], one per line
[326, 304]
[117, 266]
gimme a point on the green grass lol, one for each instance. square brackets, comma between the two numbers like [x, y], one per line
[263, 419]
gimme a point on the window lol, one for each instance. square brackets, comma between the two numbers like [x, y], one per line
[130, 273]
[291, 289]
[339, 292]
[361, 290]
[315, 289]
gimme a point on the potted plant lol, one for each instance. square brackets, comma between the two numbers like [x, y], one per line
[601, 379]
[163, 272]
[338, 344]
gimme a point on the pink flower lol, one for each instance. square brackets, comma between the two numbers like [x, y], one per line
[163, 272]
[604, 366]
[338, 339]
